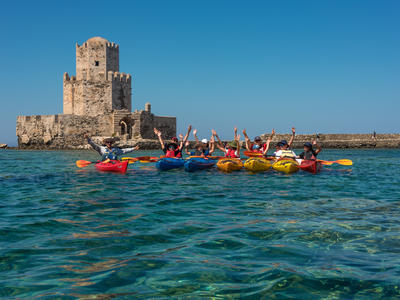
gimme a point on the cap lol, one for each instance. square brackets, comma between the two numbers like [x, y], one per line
[204, 141]
[257, 138]
[309, 145]
[175, 139]
[278, 144]
[284, 142]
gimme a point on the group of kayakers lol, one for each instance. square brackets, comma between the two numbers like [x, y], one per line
[204, 148]
[232, 149]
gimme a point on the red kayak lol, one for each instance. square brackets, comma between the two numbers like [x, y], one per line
[312, 166]
[113, 166]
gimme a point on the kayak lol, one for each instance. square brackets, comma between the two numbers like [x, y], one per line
[311, 166]
[169, 163]
[198, 163]
[229, 164]
[257, 164]
[112, 166]
[286, 165]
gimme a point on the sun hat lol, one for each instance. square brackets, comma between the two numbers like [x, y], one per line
[233, 144]
[204, 141]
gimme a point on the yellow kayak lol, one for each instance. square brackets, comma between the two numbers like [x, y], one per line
[287, 166]
[257, 164]
[229, 164]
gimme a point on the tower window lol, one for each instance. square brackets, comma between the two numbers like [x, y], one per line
[96, 63]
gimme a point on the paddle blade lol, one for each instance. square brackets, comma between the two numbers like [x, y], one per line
[82, 163]
[130, 160]
[344, 162]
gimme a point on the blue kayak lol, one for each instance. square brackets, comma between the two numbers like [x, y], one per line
[169, 163]
[199, 163]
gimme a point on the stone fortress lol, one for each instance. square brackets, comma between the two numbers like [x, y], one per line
[96, 101]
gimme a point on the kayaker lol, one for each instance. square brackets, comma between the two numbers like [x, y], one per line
[283, 148]
[309, 153]
[201, 149]
[174, 148]
[231, 149]
[208, 147]
[108, 152]
[258, 146]
[284, 151]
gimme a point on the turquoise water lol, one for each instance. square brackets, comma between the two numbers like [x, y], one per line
[76, 233]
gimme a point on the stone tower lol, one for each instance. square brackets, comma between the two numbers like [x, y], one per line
[98, 88]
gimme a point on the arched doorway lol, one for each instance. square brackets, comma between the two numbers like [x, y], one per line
[126, 127]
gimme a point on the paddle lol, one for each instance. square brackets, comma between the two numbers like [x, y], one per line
[84, 163]
[343, 162]
[142, 159]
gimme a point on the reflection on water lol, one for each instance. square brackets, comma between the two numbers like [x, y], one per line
[76, 233]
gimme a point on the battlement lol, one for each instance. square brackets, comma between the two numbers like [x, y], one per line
[117, 76]
[109, 45]
[66, 77]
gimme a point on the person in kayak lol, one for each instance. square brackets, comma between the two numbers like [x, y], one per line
[174, 148]
[232, 149]
[257, 145]
[201, 149]
[108, 152]
[283, 148]
[208, 147]
[309, 153]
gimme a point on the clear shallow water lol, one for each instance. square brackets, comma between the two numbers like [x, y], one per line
[77, 233]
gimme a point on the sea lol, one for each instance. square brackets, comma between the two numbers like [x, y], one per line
[76, 233]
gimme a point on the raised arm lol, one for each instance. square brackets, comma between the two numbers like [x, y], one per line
[247, 140]
[158, 134]
[237, 139]
[219, 144]
[187, 148]
[212, 145]
[195, 135]
[186, 137]
[95, 146]
[318, 146]
[127, 150]
[292, 137]
[268, 142]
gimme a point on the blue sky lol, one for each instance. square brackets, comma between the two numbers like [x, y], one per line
[322, 66]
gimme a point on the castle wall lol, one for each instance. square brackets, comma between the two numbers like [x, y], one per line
[338, 141]
[167, 125]
[59, 131]
[121, 90]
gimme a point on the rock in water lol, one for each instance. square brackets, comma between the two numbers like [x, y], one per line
[3, 146]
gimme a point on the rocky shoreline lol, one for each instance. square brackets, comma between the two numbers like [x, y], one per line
[328, 141]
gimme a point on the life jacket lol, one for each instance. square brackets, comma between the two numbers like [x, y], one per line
[310, 155]
[231, 153]
[173, 152]
[287, 154]
[110, 154]
[258, 150]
